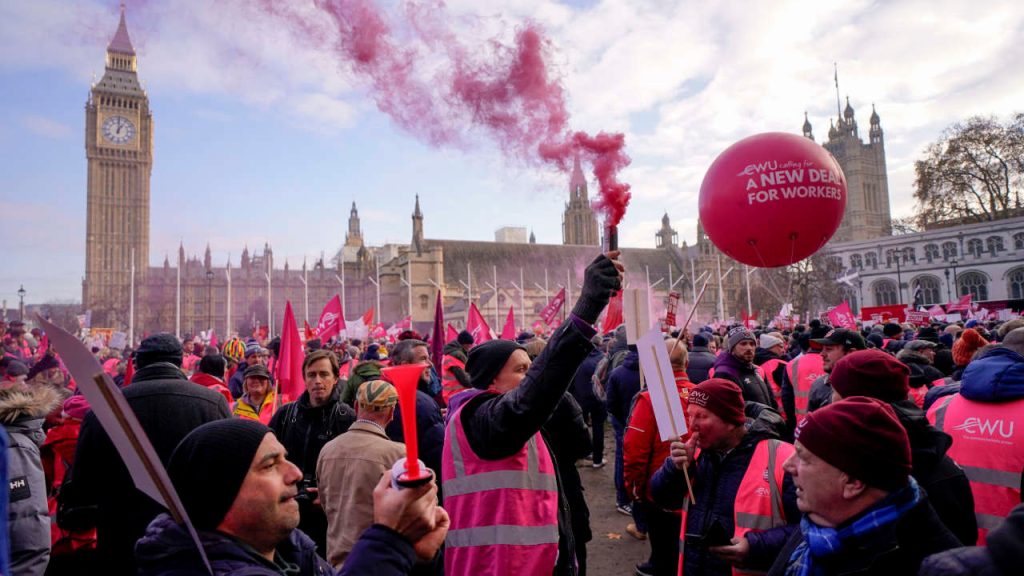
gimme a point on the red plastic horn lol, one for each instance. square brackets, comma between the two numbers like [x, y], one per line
[405, 378]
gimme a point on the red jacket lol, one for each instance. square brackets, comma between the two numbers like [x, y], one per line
[213, 383]
[643, 451]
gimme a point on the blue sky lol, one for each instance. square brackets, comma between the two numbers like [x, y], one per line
[260, 138]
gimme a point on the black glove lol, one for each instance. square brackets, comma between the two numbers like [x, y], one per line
[600, 281]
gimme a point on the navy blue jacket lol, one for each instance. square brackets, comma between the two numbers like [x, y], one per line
[429, 430]
[583, 385]
[716, 481]
[379, 551]
[623, 385]
[167, 550]
[996, 376]
[701, 361]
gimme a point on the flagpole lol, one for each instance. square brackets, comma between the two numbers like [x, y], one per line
[746, 275]
[177, 301]
[721, 304]
[377, 284]
[522, 297]
[131, 306]
[270, 299]
[227, 317]
[305, 289]
[494, 269]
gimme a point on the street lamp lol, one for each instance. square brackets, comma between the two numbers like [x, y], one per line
[890, 258]
[948, 297]
[21, 303]
[956, 285]
[209, 299]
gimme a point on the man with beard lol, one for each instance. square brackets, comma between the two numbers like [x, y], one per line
[736, 363]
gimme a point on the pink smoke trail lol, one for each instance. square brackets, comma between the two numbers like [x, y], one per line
[508, 91]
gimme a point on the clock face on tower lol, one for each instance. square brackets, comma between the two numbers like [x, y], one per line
[118, 129]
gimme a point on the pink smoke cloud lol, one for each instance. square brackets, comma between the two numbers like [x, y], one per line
[506, 91]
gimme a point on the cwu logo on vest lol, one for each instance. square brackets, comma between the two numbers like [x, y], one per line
[975, 425]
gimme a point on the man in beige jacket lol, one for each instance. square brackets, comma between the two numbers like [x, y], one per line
[350, 466]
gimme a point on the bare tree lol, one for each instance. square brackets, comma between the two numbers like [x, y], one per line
[905, 225]
[809, 285]
[973, 173]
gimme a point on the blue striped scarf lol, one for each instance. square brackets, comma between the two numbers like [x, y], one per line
[820, 543]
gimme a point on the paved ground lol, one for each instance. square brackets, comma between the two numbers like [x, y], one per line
[612, 552]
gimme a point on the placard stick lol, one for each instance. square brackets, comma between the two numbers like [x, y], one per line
[689, 316]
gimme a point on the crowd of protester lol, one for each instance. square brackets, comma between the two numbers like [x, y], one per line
[894, 449]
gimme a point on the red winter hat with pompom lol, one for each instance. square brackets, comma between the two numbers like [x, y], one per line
[965, 347]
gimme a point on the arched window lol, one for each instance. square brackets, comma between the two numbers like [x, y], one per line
[885, 293]
[891, 256]
[1016, 283]
[424, 301]
[850, 295]
[1018, 241]
[871, 259]
[973, 283]
[949, 250]
[994, 244]
[926, 290]
[975, 247]
[856, 263]
[909, 255]
[931, 252]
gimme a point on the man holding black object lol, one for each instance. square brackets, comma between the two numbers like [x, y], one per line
[744, 504]
[509, 513]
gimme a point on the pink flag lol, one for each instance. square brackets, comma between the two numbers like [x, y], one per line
[477, 326]
[842, 317]
[508, 332]
[963, 304]
[451, 333]
[554, 305]
[290, 383]
[368, 318]
[936, 311]
[437, 340]
[332, 320]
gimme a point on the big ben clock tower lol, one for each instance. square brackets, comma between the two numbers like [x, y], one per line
[119, 149]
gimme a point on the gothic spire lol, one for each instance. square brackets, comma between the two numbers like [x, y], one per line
[578, 182]
[121, 43]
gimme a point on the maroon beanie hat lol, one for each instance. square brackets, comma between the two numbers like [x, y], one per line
[871, 373]
[863, 438]
[722, 397]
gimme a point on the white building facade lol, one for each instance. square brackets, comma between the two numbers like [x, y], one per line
[937, 266]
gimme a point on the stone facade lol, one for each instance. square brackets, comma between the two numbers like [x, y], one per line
[867, 213]
[579, 224]
[985, 260]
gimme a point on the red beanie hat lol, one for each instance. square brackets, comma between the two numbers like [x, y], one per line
[871, 373]
[965, 347]
[863, 438]
[720, 396]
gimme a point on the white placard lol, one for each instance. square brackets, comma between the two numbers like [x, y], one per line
[636, 313]
[661, 384]
[118, 340]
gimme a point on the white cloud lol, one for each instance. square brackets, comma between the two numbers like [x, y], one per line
[46, 127]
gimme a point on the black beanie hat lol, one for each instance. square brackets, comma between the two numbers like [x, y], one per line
[465, 338]
[162, 347]
[210, 464]
[486, 361]
[213, 364]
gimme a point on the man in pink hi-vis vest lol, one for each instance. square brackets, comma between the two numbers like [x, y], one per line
[500, 482]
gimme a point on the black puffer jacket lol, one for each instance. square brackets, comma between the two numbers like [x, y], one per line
[716, 480]
[946, 484]
[922, 373]
[1002, 554]
[168, 407]
[701, 362]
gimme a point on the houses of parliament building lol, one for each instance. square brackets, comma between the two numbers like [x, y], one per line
[190, 293]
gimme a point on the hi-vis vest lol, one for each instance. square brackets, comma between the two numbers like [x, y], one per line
[987, 444]
[758, 504]
[450, 385]
[504, 513]
[768, 375]
[802, 373]
[265, 413]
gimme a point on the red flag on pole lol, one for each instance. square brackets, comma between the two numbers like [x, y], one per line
[213, 338]
[508, 332]
[437, 340]
[368, 318]
[554, 305]
[332, 320]
[290, 383]
[842, 317]
[613, 315]
[307, 332]
[963, 304]
[451, 333]
[477, 326]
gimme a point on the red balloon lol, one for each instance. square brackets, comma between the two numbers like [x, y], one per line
[772, 199]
